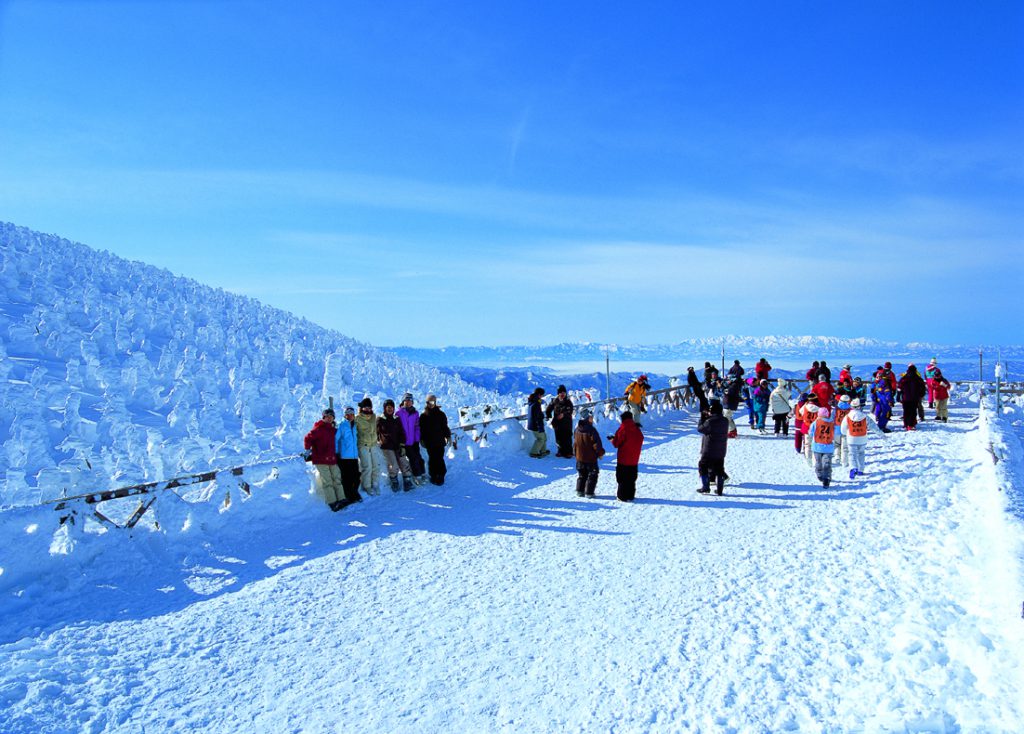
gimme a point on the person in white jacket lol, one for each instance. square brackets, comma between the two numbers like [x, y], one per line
[855, 436]
[781, 407]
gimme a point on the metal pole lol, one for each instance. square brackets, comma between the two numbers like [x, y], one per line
[723, 356]
[999, 373]
[981, 377]
[607, 374]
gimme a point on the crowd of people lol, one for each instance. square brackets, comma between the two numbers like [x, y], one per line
[348, 456]
[830, 423]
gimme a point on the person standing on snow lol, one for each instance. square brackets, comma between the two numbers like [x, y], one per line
[855, 437]
[941, 387]
[781, 407]
[732, 397]
[860, 391]
[369, 463]
[697, 388]
[635, 393]
[346, 446]
[798, 422]
[929, 375]
[883, 406]
[736, 370]
[559, 412]
[710, 376]
[761, 397]
[762, 369]
[842, 410]
[628, 439]
[320, 442]
[410, 419]
[535, 424]
[391, 439]
[912, 392]
[824, 370]
[435, 435]
[822, 435]
[588, 449]
[713, 447]
[844, 374]
[824, 390]
[810, 415]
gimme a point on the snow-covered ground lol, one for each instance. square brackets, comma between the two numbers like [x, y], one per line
[502, 602]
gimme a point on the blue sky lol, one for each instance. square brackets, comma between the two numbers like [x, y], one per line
[503, 173]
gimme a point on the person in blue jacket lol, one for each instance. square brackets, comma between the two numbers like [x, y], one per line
[761, 397]
[347, 450]
[883, 406]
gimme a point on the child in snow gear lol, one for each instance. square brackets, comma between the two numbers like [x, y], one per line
[761, 398]
[823, 431]
[391, 439]
[588, 449]
[842, 409]
[559, 412]
[635, 393]
[798, 422]
[435, 435]
[748, 398]
[410, 419]
[929, 375]
[320, 441]
[781, 408]
[369, 463]
[535, 424]
[940, 390]
[883, 405]
[628, 439]
[810, 415]
[346, 446]
[713, 447]
[855, 437]
[860, 391]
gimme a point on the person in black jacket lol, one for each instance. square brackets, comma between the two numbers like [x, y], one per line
[588, 449]
[715, 429]
[912, 392]
[559, 412]
[391, 439]
[697, 388]
[435, 435]
[535, 424]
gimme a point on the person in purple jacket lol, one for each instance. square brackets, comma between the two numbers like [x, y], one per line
[410, 419]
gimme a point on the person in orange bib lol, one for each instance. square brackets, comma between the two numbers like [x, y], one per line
[822, 435]
[855, 436]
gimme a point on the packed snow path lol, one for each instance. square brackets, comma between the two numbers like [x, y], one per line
[502, 602]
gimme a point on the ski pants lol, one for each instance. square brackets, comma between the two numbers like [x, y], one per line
[634, 408]
[563, 436]
[540, 443]
[808, 453]
[857, 452]
[412, 453]
[728, 415]
[350, 478]
[760, 414]
[396, 463]
[842, 454]
[711, 470]
[586, 481]
[781, 422]
[942, 409]
[435, 463]
[625, 477]
[823, 466]
[910, 414]
[798, 436]
[329, 477]
[369, 468]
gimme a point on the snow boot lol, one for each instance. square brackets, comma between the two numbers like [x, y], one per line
[853, 473]
[720, 486]
[395, 486]
[407, 482]
[705, 484]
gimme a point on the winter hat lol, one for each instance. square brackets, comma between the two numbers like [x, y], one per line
[561, 388]
[715, 408]
[847, 366]
[763, 381]
[825, 412]
[538, 391]
[365, 403]
[855, 403]
[812, 398]
[349, 410]
[329, 411]
[626, 416]
[933, 361]
[888, 365]
[586, 413]
[821, 378]
[390, 402]
[811, 407]
[407, 396]
[431, 398]
[844, 398]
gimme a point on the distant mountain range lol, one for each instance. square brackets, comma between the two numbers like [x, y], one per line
[746, 348]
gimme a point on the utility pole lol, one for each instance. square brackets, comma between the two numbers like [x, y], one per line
[723, 357]
[981, 373]
[999, 373]
[607, 373]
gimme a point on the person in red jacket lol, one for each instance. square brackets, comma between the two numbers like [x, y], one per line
[628, 440]
[320, 443]
[824, 391]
